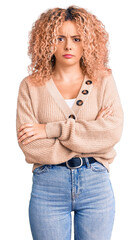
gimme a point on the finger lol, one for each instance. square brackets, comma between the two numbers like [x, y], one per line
[109, 113]
[104, 110]
[25, 135]
[107, 110]
[30, 139]
[25, 125]
[105, 116]
[25, 130]
[28, 134]
[106, 107]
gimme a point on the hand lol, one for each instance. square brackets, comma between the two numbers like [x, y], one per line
[32, 131]
[105, 112]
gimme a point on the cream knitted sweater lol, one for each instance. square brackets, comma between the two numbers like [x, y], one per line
[70, 131]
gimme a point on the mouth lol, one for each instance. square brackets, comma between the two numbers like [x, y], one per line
[68, 55]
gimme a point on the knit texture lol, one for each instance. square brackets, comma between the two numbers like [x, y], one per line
[84, 136]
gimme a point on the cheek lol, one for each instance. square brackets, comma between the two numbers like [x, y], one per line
[80, 51]
[58, 49]
[79, 47]
[57, 53]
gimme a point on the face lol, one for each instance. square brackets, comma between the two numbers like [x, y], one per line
[68, 42]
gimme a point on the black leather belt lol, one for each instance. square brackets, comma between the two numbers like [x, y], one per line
[77, 162]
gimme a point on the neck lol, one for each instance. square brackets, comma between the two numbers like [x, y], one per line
[67, 73]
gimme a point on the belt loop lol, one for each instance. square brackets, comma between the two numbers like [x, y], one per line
[87, 162]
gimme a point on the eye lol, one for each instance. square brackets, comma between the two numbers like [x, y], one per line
[77, 39]
[60, 38]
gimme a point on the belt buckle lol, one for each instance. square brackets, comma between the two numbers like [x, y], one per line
[76, 166]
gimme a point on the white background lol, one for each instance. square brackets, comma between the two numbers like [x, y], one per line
[121, 20]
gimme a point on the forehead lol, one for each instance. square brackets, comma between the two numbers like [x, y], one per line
[68, 28]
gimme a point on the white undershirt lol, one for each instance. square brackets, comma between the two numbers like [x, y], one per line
[70, 101]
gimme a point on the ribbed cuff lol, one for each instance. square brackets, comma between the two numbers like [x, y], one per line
[53, 129]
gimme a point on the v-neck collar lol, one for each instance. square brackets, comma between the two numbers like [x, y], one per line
[74, 110]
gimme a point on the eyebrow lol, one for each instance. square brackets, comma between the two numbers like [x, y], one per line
[71, 36]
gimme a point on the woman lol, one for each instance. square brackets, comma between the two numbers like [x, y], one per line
[69, 118]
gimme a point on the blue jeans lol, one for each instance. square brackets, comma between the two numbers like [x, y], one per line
[58, 190]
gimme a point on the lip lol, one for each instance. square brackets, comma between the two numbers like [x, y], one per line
[68, 55]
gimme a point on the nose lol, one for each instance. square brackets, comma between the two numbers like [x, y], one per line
[68, 44]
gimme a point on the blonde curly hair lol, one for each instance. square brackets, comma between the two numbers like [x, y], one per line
[43, 43]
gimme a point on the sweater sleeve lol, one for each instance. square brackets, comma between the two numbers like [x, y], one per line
[40, 150]
[97, 136]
